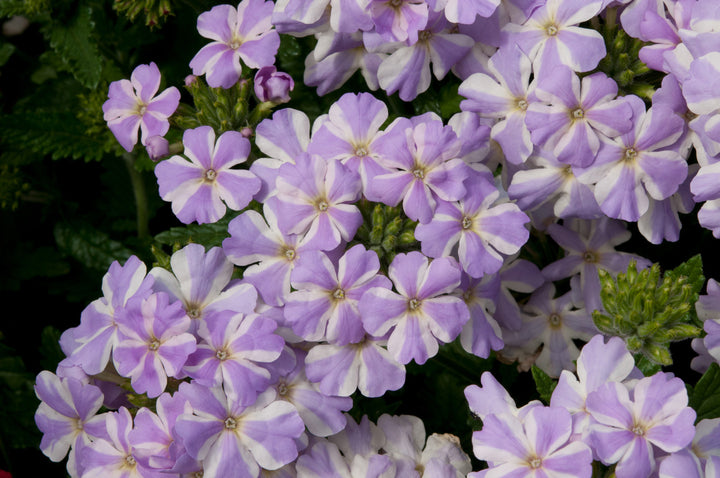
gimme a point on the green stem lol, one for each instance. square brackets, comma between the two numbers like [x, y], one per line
[141, 207]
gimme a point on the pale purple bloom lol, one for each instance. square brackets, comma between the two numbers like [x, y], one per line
[202, 281]
[407, 70]
[570, 115]
[398, 21]
[365, 366]
[233, 352]
[474, 134]
[465, 11]
[589, 246]
[503, 94]
[421, 315]
[703, 454]
[552, 323]
[240, 36]
[638, 164]
[708, 310]
[132, 106]
[517, 275]
[493, 399]
[153, 342]
[67, 416]
[481, 333]
[600, 361]
[351, 132]
[232, 440]
[255, 238]
[551, 38]
[426, 168]
[480, 227]
[272, 85]
[544, 181]
[702, 97]
[322, 413]
[91, 343]
[113, 455]
[324, 306]
[539, 445]
[157, 147]
[325, 459]
[661, 222]
[315, 198]
[201, 188]
[628, 427]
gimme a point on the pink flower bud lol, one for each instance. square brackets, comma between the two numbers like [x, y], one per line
[157, 147]
[273, 86]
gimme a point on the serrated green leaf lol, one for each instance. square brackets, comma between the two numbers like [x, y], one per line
[646, 366]
[91, 247]
[209, 235]
[544, 384]
[705, 396]
[75, 45]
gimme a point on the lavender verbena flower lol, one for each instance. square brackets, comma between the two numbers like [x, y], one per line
[132, 106]
[421, 315]
[629, 427]
[325, 459]
[600, 361]
[481, 226]
[708, 310]
[407, 70]
[551, 38]
[202, 282]
[481, 333]
[493, 399]
[233, 352]
[241, 36]
[503, 94]
[538, 445]
[350, 134]
[233, 440]
[464, 11]
[90, 345]
[517, 275]
[544, 181]
[426, 167]
[153, 342]
[67, 416]
[365, 366]
[315, 198]
[152, 437]
[282, 138]
[553, 323]
[157, 147]
[702, 100]
[589, 246]
[703, 454]
[199, 189]
[638, 164]
[322, 414]
[661, 222]
[272, 85]
[113, 455]
[405, 444]
[324, 305]
[398, 21]
[570, 115]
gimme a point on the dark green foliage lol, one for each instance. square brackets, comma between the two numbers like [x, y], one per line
[544, 383]
[705, 396]
[210, 235]
[91, 247]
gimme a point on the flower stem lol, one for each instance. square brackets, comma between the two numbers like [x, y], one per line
[138, 186]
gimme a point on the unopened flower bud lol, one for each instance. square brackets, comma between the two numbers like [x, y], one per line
[190, 79]
[246, 132]
[157, 147]
[272, 85]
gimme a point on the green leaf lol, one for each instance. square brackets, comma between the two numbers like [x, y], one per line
[75, 45]
[6, 50]
[50, 349]
[91, 247]
[209, 235]
[705, 397]
[544, 384]
[646, 366]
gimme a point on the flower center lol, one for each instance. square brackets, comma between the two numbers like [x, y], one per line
[130, 461]
[230, 423]
[466, 222]
[424, 35]
[282, 389]
[154, 345]
[78, 424]
[141, 108]
[221, 354]
[361, 151]
[578, 114]
[290, 254]
[551, 30]
[589, 256]
[338, 294]
[555, 320]
[535, 462]
[418, 173]
[210, 175]
[521, 104]
[689, 115]
[630, 154]
[396, 3]
[639, 430]
[193, 312]
[322, 205]
[413, 304]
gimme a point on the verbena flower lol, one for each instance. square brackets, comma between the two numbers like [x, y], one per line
[241, 35]
[201, 186]
[132, 106]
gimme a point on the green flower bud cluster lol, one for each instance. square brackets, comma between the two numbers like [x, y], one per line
[155, 11]
[650, 312]
[622, 62]
[385, 230]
